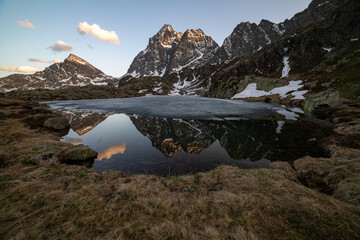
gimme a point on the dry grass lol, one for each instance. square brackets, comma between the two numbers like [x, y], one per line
[227, 203]
[57, 201]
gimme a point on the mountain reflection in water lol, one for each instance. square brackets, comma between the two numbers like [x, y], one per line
[168, 146]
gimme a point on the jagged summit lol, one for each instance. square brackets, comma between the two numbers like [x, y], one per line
[166, 36]
[76, 59]
[169, 50]
[196, 35]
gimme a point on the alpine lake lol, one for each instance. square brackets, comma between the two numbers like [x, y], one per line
[176, 135]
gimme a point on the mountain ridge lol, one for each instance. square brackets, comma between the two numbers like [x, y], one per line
[73, 71]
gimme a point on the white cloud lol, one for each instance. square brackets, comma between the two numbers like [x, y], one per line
[60, 46]
[24, 69]
[25, 23]
[56, 60]
[97, 32]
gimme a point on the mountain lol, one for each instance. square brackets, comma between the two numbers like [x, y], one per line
[323, 56]
[74, 71]
[169, 50]
[249, 37]
[319, 58]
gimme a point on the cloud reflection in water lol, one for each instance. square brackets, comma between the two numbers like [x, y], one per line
[112, 150]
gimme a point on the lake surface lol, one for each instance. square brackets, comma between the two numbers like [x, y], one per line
[174, 135]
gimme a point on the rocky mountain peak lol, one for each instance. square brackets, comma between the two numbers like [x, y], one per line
[197, 36]
[166, 36]
[169, 50]
[76, 59]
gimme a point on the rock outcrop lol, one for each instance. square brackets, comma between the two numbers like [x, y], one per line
[57, 123]
[80, 153]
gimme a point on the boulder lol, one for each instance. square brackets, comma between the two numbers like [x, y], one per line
[317, 104]
[80, 153]
[57, 123]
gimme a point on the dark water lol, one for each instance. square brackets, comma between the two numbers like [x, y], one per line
[166, 136]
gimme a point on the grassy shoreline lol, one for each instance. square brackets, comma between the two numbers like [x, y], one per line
[50, 200]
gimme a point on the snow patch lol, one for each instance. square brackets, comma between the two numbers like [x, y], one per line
[354, 39]
[279, 127]
[286, 69]
[319, 5]
[288, 114]
[250, 91]
[299, 94]
[142, 90]
[134, 74]
[293, 86]
[276, 27]
[327, 49]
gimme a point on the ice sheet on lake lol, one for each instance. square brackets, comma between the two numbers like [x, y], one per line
[181, 107]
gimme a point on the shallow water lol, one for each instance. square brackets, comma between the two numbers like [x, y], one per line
[180, 135]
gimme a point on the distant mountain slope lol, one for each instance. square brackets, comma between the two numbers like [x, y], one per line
[169, 50]
[74, 71]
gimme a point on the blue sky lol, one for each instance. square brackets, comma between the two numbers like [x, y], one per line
[134, 22]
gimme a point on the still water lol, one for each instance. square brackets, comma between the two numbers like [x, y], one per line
[181, 135]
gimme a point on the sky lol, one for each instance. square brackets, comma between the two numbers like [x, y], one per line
[109, 34]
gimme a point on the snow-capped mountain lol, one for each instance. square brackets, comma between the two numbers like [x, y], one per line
[250, 37]
[169, 51]
[74, 71]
